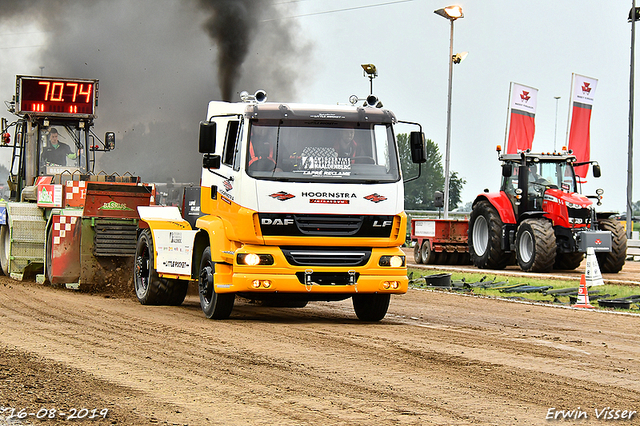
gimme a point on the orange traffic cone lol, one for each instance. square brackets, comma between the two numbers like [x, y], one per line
[583, 295]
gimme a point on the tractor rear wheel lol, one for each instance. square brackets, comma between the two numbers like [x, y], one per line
[5, 248]
[485, 229]
[568, 261]
[535, 245]
[150, 288]
[614, 260]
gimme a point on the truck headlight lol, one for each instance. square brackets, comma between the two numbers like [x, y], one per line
[253, 259]
[392, 261]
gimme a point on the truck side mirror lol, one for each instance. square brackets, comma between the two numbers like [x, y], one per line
[207, 142]
[507, 170]
[211, 161]
[596, 171]
[438, 199]
[418, 150]
[109, 141]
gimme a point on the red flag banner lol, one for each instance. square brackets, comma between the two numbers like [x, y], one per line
[582, 93]
[521, 124]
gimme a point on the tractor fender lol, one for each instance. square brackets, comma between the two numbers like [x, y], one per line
[222, 248]
[501, 203]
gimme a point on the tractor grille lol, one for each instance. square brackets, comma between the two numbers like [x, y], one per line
[115, 238]
[333, 225]
[327, 256]
[579, 216]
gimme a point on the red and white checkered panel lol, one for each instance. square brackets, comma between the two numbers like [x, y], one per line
[75, 193]
[63, 228]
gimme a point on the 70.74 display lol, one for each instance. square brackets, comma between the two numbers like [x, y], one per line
[56, 97]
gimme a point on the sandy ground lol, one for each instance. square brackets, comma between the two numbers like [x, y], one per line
[436, 359]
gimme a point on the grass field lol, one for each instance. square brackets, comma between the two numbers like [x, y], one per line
[540, 290]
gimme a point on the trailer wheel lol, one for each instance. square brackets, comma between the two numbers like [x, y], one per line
[536, 245]
[371, 307]
[485, 229]
[5, 248]
[614, 261]
[214, 305]
[150, 288]
[428, 255]
[568, 261]
[417, 255]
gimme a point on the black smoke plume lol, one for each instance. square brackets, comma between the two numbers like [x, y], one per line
[159, 63]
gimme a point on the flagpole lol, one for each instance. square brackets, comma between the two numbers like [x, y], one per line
[630, 149]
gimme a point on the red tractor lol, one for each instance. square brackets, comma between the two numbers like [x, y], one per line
[539, 220]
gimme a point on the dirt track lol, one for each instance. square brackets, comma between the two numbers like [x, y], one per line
[436, 359]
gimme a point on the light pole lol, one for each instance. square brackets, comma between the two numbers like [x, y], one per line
[633, 17]
[451, 13]
[555, 131]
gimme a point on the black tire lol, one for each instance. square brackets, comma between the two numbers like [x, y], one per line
[5, 248]
[568, 261]
[371, 307]
[150, 288]
[49, 256]
[214, 305]
[428, 255]
[485, 230]
[536, 245]
[417, 256]
[463, 259]
[614, 261]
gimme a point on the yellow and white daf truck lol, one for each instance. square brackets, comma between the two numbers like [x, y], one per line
[299, 203]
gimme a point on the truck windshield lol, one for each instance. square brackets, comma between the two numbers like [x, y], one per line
[322, 151]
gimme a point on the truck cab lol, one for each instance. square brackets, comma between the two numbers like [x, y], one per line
[300, 203]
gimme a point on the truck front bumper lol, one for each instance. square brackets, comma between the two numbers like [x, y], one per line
[282, 277]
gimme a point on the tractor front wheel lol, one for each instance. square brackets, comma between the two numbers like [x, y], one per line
[535, 245]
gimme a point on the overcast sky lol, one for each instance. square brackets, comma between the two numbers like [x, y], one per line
[536, 43]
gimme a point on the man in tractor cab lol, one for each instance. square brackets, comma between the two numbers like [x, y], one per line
[56, 152]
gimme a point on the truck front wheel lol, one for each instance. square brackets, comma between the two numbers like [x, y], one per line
[614, 260]
[536, 245]
[371, 307]
[150, 288]
[214, 305]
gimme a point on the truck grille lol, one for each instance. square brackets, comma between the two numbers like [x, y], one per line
[329, 278]
[327, 256]
[115, 238]
[334, 225]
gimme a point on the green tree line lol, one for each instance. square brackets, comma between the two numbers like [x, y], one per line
[419, 194]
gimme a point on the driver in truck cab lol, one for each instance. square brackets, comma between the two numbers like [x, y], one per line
[56, 152]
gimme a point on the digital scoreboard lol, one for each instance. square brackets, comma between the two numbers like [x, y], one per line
[57, 97]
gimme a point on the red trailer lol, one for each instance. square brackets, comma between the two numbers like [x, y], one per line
[440, 241]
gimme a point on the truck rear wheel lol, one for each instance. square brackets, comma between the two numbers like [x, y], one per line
[613, 261]
[536, 245]
[568, 261]
[428, 255]
[214, 305]
[371, 307]
[485, 229]
[150, 288]
[417, 255]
